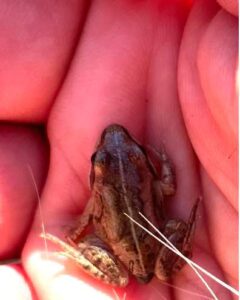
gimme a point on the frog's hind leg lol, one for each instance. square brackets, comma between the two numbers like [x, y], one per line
[95, 258]
[180, 234]
[102, 261]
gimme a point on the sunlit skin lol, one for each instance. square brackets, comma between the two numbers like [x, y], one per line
[167, 72]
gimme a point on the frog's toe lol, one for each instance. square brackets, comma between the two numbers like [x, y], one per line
[168, 263]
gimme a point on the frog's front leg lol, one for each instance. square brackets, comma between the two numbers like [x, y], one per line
[73, 234]
[95, 258]
[166, 184]
[180, 234]
[168, 178]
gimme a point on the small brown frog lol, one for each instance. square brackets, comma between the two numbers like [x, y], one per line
[124, 180]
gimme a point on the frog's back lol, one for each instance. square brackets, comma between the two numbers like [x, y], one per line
[123, 185]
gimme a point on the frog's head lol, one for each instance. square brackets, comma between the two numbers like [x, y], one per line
[113, 137]
[116, 145]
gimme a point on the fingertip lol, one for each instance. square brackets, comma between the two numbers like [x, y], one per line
[14, 284]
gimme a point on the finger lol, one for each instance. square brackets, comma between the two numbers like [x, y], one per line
[205, 137]
[215, 150]
[30, 79]
[228, 239]
[217, 65]
[165, 122]
[14, 284]
[20, 146]
[166, 125]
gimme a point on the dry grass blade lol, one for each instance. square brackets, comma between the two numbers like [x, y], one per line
[228, 287]
[39, 204]
[179, 253]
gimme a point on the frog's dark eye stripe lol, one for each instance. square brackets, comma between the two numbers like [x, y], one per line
[102, 158]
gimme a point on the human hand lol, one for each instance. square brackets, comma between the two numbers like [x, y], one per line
[124, 70]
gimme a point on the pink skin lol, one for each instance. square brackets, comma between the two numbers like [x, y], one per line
[165, 71]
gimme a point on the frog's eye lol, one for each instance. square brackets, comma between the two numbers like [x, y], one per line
[100, 163]
[101, 159]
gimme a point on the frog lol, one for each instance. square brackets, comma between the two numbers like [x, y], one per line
[124, 182]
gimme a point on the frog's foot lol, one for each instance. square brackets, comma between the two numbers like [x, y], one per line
[180, 234]
[95, 258]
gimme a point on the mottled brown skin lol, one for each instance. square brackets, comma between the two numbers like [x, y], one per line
[122, 183]
[123, 180]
